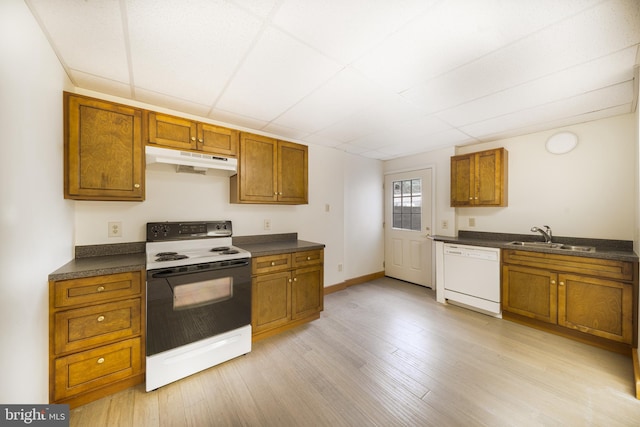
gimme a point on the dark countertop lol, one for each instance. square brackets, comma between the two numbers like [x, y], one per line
[272, 244]
[98, 260]
[620, 250]
[100, 265]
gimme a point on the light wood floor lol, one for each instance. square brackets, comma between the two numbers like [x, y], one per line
[384, 353]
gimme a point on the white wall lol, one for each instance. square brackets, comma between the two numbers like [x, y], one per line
[364, 215]
[589, 192]
[36, 223]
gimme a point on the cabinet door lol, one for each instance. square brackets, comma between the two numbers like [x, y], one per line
[257, 169]
[462, 180]
[489, 178]
[104, 155]
[170, 131]
[599, 307]
[307, 292]
[217, 140]
[292, 173]
[271, 301]
[530, 292]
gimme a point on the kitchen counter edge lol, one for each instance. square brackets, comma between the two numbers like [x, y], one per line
[495, 240]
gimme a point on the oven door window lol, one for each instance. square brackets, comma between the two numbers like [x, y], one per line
[200, 294]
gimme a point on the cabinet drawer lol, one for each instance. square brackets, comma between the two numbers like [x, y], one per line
[90, 326]
[307, 258]
[85, 371]
[96, 289]
[604, 268]
[271, 263]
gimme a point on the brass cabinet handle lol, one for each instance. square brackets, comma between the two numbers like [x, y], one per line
[100, 288]
[561, 283]
[295, 279]
[553, 282]
[101, 360]
[100, 318]
[193, 138]
[136, 185]
[273, 263]
[200, 140]
[289, 280]
[308, 258]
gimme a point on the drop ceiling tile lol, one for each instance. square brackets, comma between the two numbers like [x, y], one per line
[455, 33]
[175, 104]
[343, 95]
[237, 120]
[385, 112]
[277, 74]
[574, 41]
[593, 75]
[320, 140]
[593, 101]
[344, 30]
[284, 131]
[188, 49]
[100, 84]
[261, 8]
[87, 35]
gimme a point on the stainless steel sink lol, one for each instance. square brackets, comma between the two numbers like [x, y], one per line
[552, 245]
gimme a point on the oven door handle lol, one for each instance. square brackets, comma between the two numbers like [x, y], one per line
[199, 268]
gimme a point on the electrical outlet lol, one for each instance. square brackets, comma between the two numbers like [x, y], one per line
[445, 224]
[267, 224]
[340, 267]
[472, 222]
[115, 228]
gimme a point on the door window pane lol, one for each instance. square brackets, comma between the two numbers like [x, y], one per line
[407, 204]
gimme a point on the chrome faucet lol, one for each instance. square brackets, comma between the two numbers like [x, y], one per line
[546, 233]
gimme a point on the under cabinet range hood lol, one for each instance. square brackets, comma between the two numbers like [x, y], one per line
[188, 161]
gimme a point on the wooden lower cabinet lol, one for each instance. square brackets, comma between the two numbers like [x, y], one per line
[96, 340]
[287, 291]
[590, 296]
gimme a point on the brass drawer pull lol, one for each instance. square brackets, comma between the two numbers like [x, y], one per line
[308, 258]
[273, 263]
[100, 288]
[100, 318]
[101, 360]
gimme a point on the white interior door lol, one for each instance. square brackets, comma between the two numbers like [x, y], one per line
[408, 216]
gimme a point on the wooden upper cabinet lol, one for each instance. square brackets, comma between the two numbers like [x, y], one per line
[176, 132]
[479, 179]
[270, 171]
[103, 150]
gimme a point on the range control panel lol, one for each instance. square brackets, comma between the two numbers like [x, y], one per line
[159, 231]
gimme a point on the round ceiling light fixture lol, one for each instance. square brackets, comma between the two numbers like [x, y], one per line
[562, 142]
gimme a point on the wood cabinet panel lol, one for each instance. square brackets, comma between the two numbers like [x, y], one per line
[88, 370]
[271, 301]
[170, 131]
[595, 306]
[96, 336]
[96, 289]
[307, 292]
[530, 292]
[288, 290]
[95, 325]
[292, 173]
[593, 296]
[479, 179]
[270, 171]
[184, 134]
[104, 150]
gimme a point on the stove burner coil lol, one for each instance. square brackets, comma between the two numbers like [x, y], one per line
[169, 256]
[220, 249]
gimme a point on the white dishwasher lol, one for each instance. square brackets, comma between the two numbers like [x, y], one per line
[472, 277]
